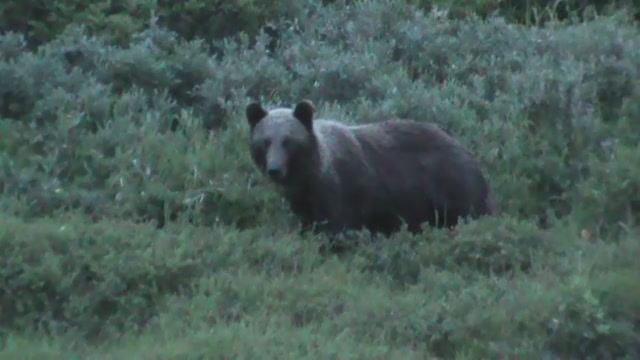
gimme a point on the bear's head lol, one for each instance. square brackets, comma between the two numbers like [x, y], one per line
[282, 141]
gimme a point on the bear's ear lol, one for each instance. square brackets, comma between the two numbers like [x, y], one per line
[255, 113]
[304, 112]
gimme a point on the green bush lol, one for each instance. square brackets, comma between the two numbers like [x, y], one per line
[93, 281]
[42, 21]
[75, 276]
[98, 279]
[536, 12]
[610, 198]
[549, 97]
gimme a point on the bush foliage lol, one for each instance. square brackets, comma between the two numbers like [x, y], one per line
[130, 203]
[117, 21]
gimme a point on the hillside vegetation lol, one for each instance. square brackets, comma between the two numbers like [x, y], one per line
[134, 225]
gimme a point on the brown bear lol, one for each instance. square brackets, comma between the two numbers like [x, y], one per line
[374, 176]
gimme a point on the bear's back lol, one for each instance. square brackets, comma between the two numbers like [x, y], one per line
[338, 146]
[414, 166]
[367, 144]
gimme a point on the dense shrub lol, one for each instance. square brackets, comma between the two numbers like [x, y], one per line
[51, 278]
[573, 298]
[41, 21]
[95, 279]
[538, 106]
[610, 198]
[532, 11]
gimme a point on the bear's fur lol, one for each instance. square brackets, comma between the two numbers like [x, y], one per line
[374, 176]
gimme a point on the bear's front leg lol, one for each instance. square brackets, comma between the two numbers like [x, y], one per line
[335, 225]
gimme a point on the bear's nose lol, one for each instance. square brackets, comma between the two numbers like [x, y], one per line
[275, 173]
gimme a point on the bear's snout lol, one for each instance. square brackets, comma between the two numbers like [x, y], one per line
[276, 166]
[275, 173]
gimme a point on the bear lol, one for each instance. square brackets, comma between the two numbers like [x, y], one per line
[375, 176]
